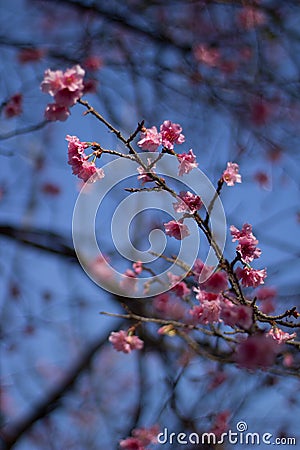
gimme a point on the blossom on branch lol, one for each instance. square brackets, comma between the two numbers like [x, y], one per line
[187, 162]
[187, 202]
[123, 342]
[251, 277]
[66, 88]
[14, 106]
[176, 229]
[171, 134]
[247, 243]
[231, 175]
[280, 336]
[257, 351]
[151, 139]
[77, 159]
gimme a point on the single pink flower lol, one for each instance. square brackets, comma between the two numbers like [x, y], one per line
[56, 112]
[206, 55]
[187, 162]
[171, 134]
[257, 351]
[176, 229]
[88, 170]
[231, 175]
[187, 202]
[122, 342]
[151, 139]
[251, 277]
[168, 307]
[73, 78]
[266, 293]
[50, 189]
[280, 336]
[14, 106]
[52, 82]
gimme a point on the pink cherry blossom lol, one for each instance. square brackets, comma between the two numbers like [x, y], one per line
[187, 162]
[66, 88]
[187, 202]
[230, 175]
[81, 167]
[53, 81]
[14, 106]
[266, 293]
[122, 342]
[246, 243]
[56, 112]
[176, 229]
[236, 315]
[151, 139]
[73, 78]
[206, 55]
[176, 285]
[209, 309]
[214, 281]
[257, 351]
[66, 97]
[251, 277]
[171, 134]
[280, 336]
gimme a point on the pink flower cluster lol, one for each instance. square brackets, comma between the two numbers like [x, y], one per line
[66, 88]
[280, 336]
[213, 281]
[231, 174]
[187, 202]
[170, 134]
[257, 351]
[248, 251]
[246, 243]
[209, 310]
[251, 277]
[14, 106]
[78, 160]
[123, 342]
[141, 438]
[236, 315]
[176, 229]
[187, 162]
